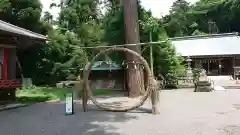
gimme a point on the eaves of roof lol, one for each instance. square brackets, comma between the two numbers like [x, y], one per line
[208, 45]
[4, 26]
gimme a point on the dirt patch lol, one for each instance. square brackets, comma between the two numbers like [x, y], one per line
[231, 130]
[236, 106]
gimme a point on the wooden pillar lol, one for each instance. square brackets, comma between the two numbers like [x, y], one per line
[208, 66]
[195, 63]
[1, 59]
[220, 68]
[12, 64]
[5, 64]
[234, 76]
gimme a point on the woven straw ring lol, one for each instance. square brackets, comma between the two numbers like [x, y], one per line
[148, 83]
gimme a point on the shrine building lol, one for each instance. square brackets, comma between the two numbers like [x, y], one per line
[13, 38]
[218, 54]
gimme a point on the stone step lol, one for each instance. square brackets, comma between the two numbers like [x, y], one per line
[203, 89]
[11, 106]
[227, 77]
[219, 88]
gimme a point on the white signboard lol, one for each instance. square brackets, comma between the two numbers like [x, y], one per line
[69, 104]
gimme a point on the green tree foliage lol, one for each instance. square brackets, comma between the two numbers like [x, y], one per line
[21, 12]
[166, 62]
[49, 62]
[81, 23]
[224, 13]
[4, 5]
[109, 30]
[48, 17]
[177, 23]
[66, 55]
[82, 17]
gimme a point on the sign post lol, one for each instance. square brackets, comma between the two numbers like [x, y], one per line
[69, 104]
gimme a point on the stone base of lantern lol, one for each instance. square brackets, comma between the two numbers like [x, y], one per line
[203, 84]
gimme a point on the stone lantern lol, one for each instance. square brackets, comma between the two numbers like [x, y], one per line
[189, 74]
[189, 69]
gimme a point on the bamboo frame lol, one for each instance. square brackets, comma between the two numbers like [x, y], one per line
[149, 92]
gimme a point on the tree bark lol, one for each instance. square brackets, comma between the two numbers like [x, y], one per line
[134, 72]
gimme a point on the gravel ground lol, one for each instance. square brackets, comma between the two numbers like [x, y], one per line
[182, 113]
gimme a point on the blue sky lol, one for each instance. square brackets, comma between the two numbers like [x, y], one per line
[158, 7]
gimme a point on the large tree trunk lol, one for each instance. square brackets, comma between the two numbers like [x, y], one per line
[134, 75]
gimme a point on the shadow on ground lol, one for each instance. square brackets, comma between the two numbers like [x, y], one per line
[25, 99]
[50, 119]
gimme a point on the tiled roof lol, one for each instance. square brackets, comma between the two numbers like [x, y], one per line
[207, 45]
[4, 26]
[104, 65]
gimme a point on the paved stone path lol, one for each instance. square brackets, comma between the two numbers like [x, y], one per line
[182, 113]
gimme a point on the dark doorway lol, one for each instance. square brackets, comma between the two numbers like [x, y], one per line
[227, 66]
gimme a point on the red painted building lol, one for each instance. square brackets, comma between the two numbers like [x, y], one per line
[11, 39]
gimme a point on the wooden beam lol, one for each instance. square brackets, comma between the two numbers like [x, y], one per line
[7, 46]
[18, 40]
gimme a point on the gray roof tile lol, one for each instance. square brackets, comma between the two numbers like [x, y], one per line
[218, 44]
[4, 26]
